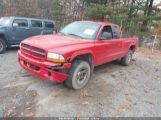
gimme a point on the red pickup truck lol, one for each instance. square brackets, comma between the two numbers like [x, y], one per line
[70, 56]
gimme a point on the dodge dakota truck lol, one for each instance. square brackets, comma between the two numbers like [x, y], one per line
[70, 56]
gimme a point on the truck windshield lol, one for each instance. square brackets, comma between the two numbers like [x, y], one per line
[83, 30]
[4, 21]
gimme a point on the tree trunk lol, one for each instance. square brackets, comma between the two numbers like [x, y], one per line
[147, 13]
[131, 10]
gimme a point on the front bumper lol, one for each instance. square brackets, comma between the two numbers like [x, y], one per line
[41, 69]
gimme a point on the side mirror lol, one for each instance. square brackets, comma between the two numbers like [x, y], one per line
[106, 36]
[15, 25]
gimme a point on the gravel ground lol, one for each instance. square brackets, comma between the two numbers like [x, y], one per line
[114, 90]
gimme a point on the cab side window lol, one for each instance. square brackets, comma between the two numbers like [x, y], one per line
[36, 24]
[116, 32]
[20, 23]
[49, 25]
[106, 33]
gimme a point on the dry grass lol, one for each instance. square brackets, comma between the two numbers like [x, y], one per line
[148, 52]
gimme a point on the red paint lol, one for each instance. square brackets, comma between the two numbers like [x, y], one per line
[101, 51]
[43, 73]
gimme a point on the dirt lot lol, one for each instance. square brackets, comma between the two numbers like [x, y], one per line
[114, 90]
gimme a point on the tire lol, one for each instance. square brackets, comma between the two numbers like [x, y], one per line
[79, 75]
[2, 46]
[127, 59]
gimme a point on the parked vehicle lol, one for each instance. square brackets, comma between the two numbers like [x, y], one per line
[70, 56]
[15, 29]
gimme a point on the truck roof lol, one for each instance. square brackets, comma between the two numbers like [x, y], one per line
[13, 17]
[102, 23]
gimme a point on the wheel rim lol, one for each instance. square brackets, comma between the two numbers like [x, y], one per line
[1, 46]
[81, 76]
[129, 57]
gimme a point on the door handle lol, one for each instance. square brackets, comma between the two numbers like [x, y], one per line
[108, 45]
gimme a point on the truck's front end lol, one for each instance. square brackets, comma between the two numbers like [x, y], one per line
[40, 63]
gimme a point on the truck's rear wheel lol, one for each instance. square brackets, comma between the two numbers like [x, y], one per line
[2, 46]
[127, 59]
[79, 75]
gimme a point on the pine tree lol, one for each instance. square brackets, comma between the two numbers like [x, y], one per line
[135, 16]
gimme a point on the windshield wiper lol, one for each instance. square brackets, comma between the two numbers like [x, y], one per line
[76, 35]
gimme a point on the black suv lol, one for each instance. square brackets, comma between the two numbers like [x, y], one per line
[15, 29]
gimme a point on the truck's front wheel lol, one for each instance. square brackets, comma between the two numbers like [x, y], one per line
[79, 75]
[2, 46]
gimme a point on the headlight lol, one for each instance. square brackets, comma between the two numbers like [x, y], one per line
[55, 57]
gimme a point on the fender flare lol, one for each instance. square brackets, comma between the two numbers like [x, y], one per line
[82, 52]
[132, 44]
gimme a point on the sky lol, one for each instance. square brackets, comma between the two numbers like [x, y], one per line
[157, 1]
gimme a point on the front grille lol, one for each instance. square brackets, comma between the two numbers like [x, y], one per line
[31, 66]
[33, 51]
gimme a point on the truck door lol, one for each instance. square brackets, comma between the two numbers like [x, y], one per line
[20, 30]
[107, 47]
[103, 46]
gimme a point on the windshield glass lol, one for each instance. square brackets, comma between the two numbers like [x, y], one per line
[84, 30]
[4, 21]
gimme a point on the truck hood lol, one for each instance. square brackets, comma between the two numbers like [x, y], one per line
[48, 42]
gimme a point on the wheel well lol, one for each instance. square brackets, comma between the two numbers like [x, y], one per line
[132, 48]
[86, 57]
